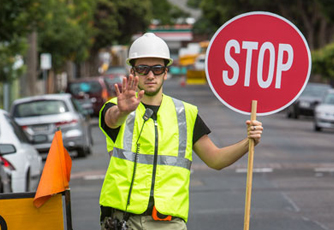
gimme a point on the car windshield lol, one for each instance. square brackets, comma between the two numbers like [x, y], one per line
[40, 108]
[315, 90]
[329, 99]
[77, 88]
[113, 81]
[117, 70]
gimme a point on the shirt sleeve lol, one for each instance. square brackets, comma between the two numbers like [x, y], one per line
[112, 133]
[200, 129]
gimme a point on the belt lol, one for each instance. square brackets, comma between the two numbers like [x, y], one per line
[149, 212]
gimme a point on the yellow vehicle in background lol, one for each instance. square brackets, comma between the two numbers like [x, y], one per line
[193, 58]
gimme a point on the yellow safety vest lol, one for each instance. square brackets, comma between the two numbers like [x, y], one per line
[166, 143]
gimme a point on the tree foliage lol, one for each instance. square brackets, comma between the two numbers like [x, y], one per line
[315, 18]
[15, 21]
[9, 52]
[75, 29]
[323, 61]
[166, 13]
[16, 17]
[66, 31]
[116, 21]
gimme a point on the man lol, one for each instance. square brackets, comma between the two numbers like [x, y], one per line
[150, 137]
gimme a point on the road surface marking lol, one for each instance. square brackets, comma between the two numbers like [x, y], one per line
[255, 170]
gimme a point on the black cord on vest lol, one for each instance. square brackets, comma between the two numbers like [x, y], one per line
[147, 115]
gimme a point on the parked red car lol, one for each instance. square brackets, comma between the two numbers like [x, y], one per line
[92, 92]
[114, 75]
[116, 71]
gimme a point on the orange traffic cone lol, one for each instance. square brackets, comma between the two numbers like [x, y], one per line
[56, 173]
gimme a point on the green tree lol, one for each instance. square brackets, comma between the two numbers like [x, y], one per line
[9, 51]
[323, 62]
[116, 21]
[314, 18]
[16, 17]
[166, 13]
[66, 31]
[15, 21]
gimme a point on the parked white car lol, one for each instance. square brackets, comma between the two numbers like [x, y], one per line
[5, 184]
[200, 62]
[24, 163]
[40, 117]
[324, 112]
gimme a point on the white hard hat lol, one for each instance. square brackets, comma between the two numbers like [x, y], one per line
[149, 46]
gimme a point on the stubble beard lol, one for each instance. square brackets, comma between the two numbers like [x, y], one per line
[151, 94]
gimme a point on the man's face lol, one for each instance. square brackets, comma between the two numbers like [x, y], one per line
[151, 83]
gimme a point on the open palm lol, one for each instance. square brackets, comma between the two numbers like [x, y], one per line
[127, 101]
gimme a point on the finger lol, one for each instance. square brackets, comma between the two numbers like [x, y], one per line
[135, 82]
[257, 123]
[140, 94]
[254, 125]
[124, 85]
[117, 90]
[130, 82]
[253, 122]
[255, 135]
[255, 129]
[258, 127]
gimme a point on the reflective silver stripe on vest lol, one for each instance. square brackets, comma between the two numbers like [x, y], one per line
[128, 132]
[148, 159]
[182, 122]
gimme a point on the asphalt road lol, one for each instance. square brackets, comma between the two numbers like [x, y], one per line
[293, 179]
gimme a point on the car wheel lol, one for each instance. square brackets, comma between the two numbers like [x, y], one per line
[90, 137]
[82, 152]
[295, 114]
[89, 144]
[28, 181]
[88, 149]
[317, 128]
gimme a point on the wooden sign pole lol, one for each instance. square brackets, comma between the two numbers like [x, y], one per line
[250, 171]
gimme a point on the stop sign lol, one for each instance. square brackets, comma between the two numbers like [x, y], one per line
[258, 56]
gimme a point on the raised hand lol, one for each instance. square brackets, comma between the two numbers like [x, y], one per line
[127, 101]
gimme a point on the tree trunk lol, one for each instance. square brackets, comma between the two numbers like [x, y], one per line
[93, 64]
[322, 35]
[28, 81]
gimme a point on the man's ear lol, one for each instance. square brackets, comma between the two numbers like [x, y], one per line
[132, 71]
[165, 76]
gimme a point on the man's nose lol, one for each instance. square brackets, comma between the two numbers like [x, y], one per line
[150, 74]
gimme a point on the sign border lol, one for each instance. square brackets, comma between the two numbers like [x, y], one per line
[244, 15]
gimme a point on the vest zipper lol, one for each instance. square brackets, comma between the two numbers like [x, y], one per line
[155, 157]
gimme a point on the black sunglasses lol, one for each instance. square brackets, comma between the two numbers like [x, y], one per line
[145, 69]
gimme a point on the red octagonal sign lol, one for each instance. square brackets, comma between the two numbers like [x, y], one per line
[258, 56]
